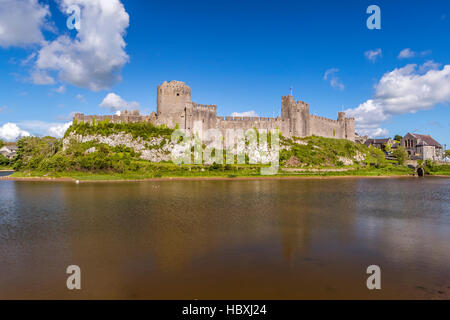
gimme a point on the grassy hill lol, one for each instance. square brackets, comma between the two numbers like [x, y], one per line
[318, 152]
[107, 150]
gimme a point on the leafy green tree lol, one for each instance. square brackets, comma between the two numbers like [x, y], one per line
[401, 155]
[398, 137]
[1, 143]
[33, 150]
[4, 161]
[378, 155]
[447, 153]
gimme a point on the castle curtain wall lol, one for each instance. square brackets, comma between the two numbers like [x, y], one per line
[328, 128]
[175, 109]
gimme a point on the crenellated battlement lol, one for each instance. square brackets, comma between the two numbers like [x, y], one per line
[125, 116]
[175, 108]
[324, 119]
[204, 107]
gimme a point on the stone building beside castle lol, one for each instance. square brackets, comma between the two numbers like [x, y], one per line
[423, 147]
[175, 108]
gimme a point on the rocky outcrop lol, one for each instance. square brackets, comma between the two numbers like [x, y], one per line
[360, 156]
[292, 162]
[158, 149]
[155, 149]
[345, 161]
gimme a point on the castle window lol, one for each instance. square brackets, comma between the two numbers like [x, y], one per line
[178, 94]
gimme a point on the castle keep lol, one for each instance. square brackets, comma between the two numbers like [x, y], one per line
[174, 107]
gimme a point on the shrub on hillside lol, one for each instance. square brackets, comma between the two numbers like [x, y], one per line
[377, 157]
[401, 155]
[319, 151]
[145, 130]
[33, 150]
[4, 161]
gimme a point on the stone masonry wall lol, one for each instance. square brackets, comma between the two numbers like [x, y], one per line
[125, 116]
[175, 108]
[328, 128]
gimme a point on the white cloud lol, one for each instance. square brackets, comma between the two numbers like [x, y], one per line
[80, 97]
[115, 103]
[329, 72]
[401, 91]
[373, 55]
[43, 128]
[21, 22]
[429, 65]
[28, 59]
[61, 89]
[408, 53]
[330, 75]
[58, 130]
[93, 59]
[250, 113]
[376, 132]
[67, 117]
[41, 77]
[11, 132]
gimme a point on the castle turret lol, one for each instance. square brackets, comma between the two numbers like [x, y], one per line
[173, 98]
[348, 125]
[297, 113]
[350, 129]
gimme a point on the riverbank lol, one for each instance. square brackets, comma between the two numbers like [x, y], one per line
[171, 172]
[94, 179]
[31, 179]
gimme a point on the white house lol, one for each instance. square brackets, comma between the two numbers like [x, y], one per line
[9, 151]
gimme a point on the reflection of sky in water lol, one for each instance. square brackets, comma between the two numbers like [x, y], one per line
[225, 239]
[408, 221]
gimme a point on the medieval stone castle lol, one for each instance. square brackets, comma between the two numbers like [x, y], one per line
[175, 108]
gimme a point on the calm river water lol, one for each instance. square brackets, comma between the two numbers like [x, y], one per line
[290, 239]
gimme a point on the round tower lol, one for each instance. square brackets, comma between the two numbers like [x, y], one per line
[173, 96]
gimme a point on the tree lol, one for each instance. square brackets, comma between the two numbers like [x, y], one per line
[401, 155]
[398, 137]
[378, 156]
[1, 143]
[447, 153]
[4, 161]
[33, 150]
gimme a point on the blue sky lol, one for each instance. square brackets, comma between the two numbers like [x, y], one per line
[241, 55]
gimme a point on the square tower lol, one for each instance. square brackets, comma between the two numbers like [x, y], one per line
[173, 96]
